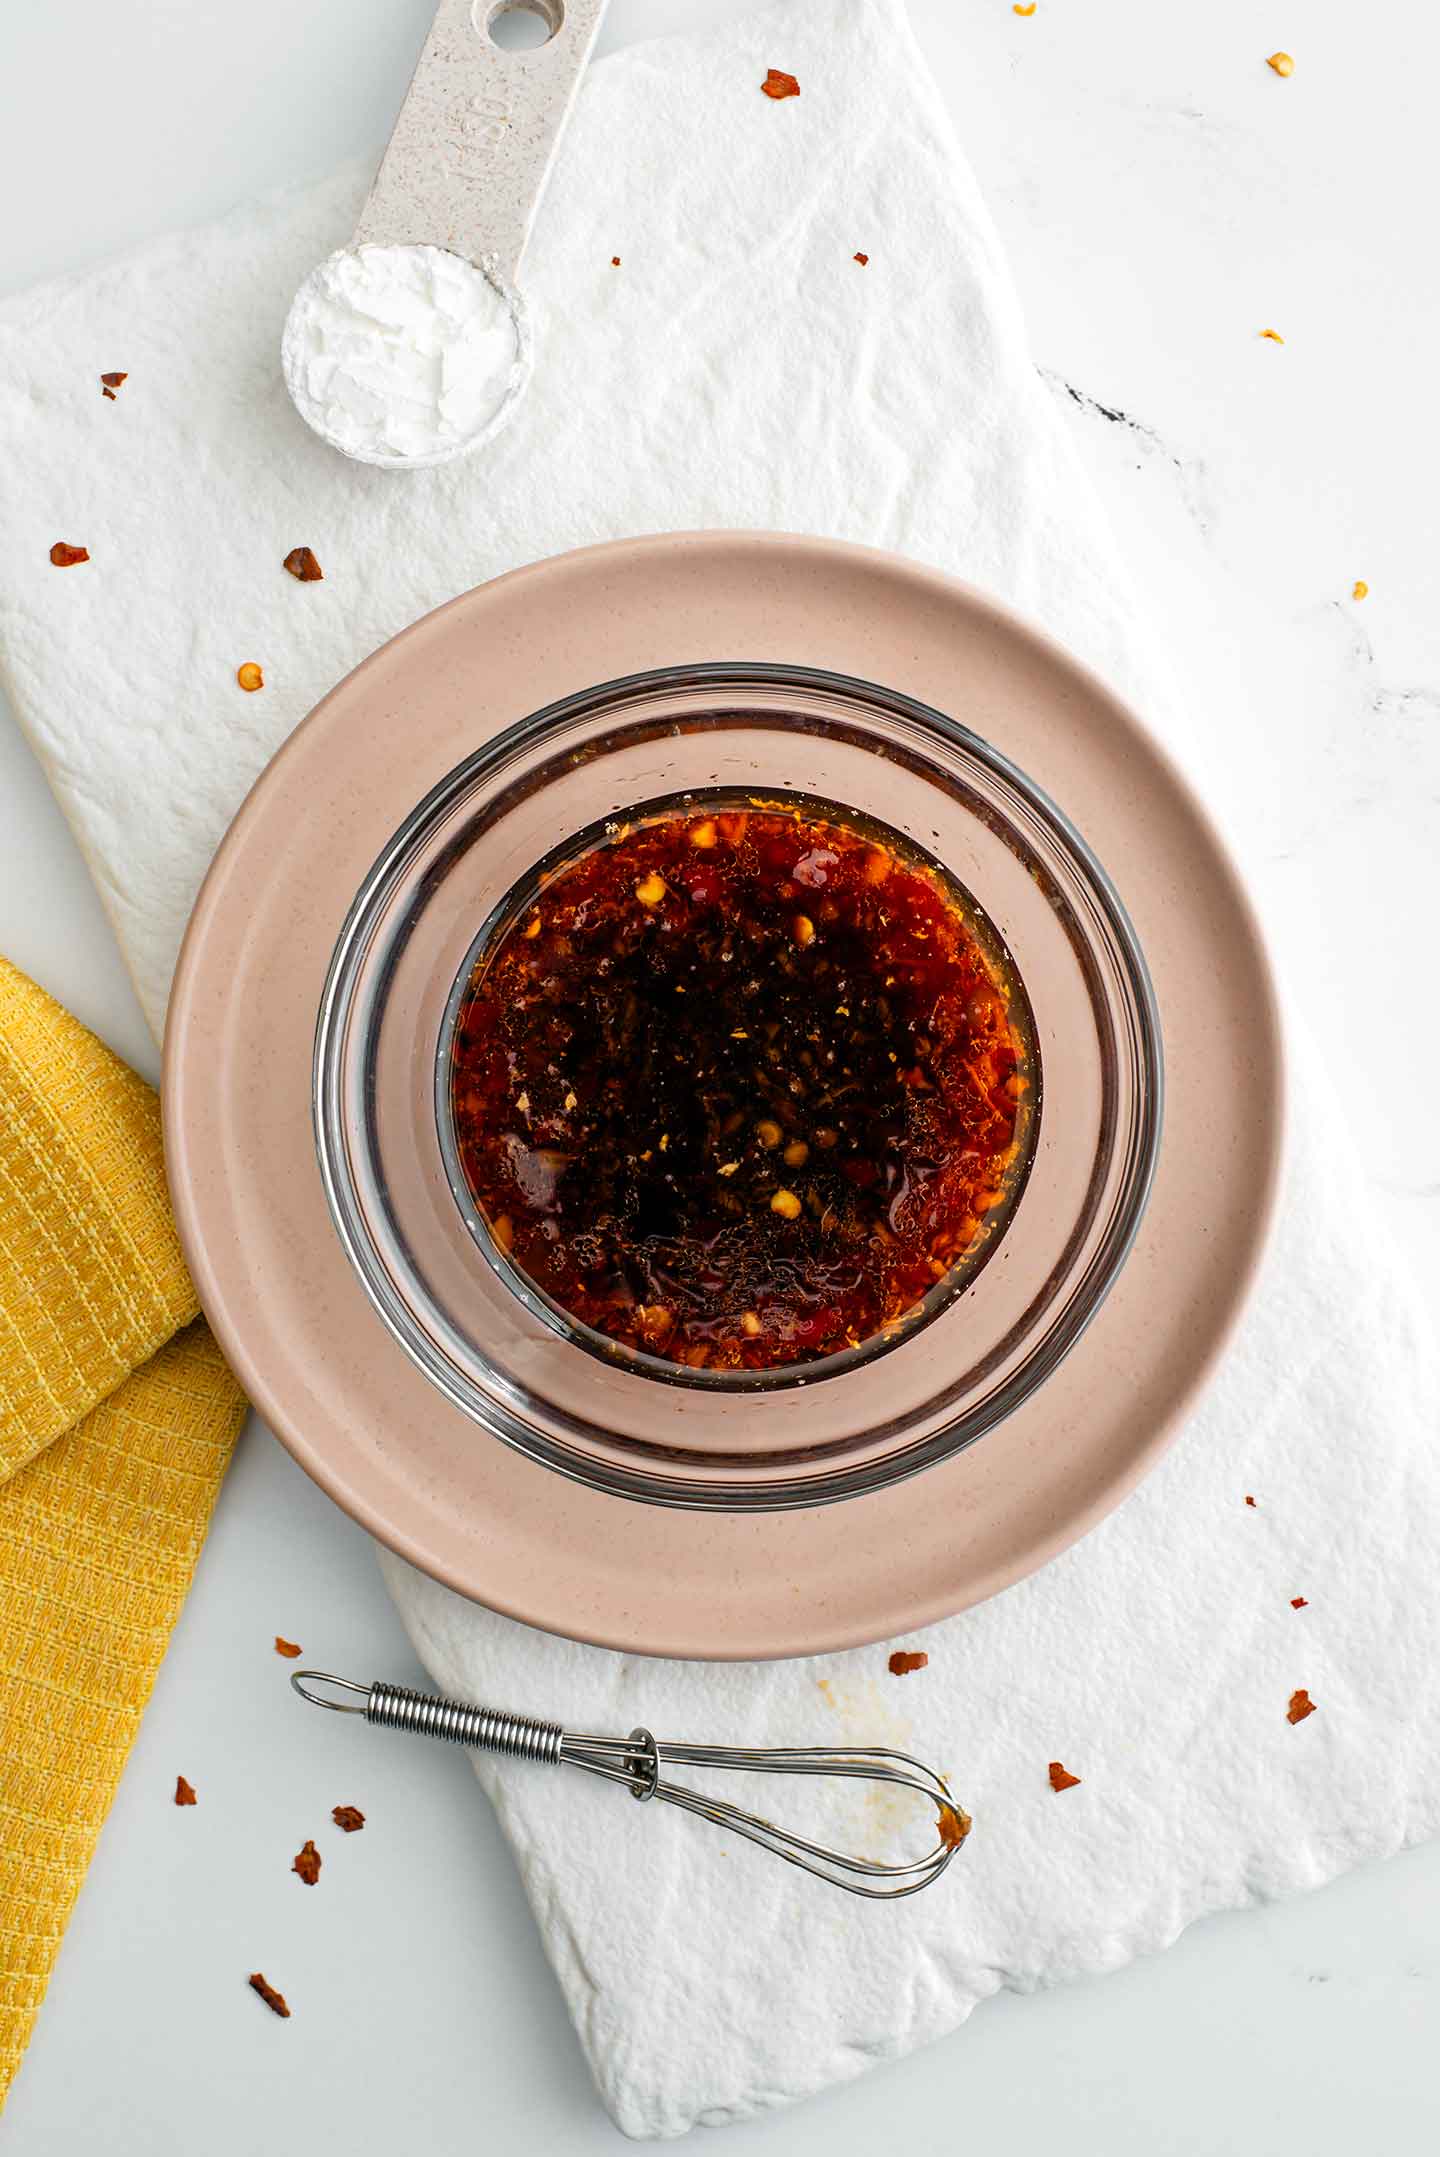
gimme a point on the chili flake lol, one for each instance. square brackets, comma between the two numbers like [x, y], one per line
[64, 556]
[955, 1825]
[1300, 1706]
[307, 1864]
[904, 1660]
[286, 1647]
[862, 260]
[348, 1817]
[1298, 1602]
[274, 2000]
[184, 1792]
[614, 262]
[778, 85]
[109, 383]
[1248, 1499]
[302, 565]
[1061, 1778]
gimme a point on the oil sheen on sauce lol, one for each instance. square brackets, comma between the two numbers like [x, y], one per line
[747, 1084]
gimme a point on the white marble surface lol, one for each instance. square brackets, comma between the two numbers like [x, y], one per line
[1164, 197]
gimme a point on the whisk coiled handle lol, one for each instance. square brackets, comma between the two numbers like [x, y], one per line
[397, 1707]
[490, 1730]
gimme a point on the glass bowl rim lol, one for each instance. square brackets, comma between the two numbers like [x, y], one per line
[352, 945]
[765, 1383]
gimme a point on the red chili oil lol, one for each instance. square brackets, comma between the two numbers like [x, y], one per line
[744, 1083]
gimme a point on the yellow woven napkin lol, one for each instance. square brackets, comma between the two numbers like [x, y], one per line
[117, 1416]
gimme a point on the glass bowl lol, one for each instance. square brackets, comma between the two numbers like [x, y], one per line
[638, 1427]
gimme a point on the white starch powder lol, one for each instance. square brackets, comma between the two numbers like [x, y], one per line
[403, 355]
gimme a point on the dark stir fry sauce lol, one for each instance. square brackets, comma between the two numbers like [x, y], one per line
[743, 1084]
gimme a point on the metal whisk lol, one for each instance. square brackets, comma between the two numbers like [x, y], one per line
[635, 1763]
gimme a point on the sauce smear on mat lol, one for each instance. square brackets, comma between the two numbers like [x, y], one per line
[744, 1083]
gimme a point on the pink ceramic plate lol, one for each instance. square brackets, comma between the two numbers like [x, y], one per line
[331, 1378]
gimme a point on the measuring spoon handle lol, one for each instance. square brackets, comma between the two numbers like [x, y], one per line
[472, 149]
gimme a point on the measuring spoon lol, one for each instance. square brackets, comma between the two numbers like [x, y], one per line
[411, 346]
